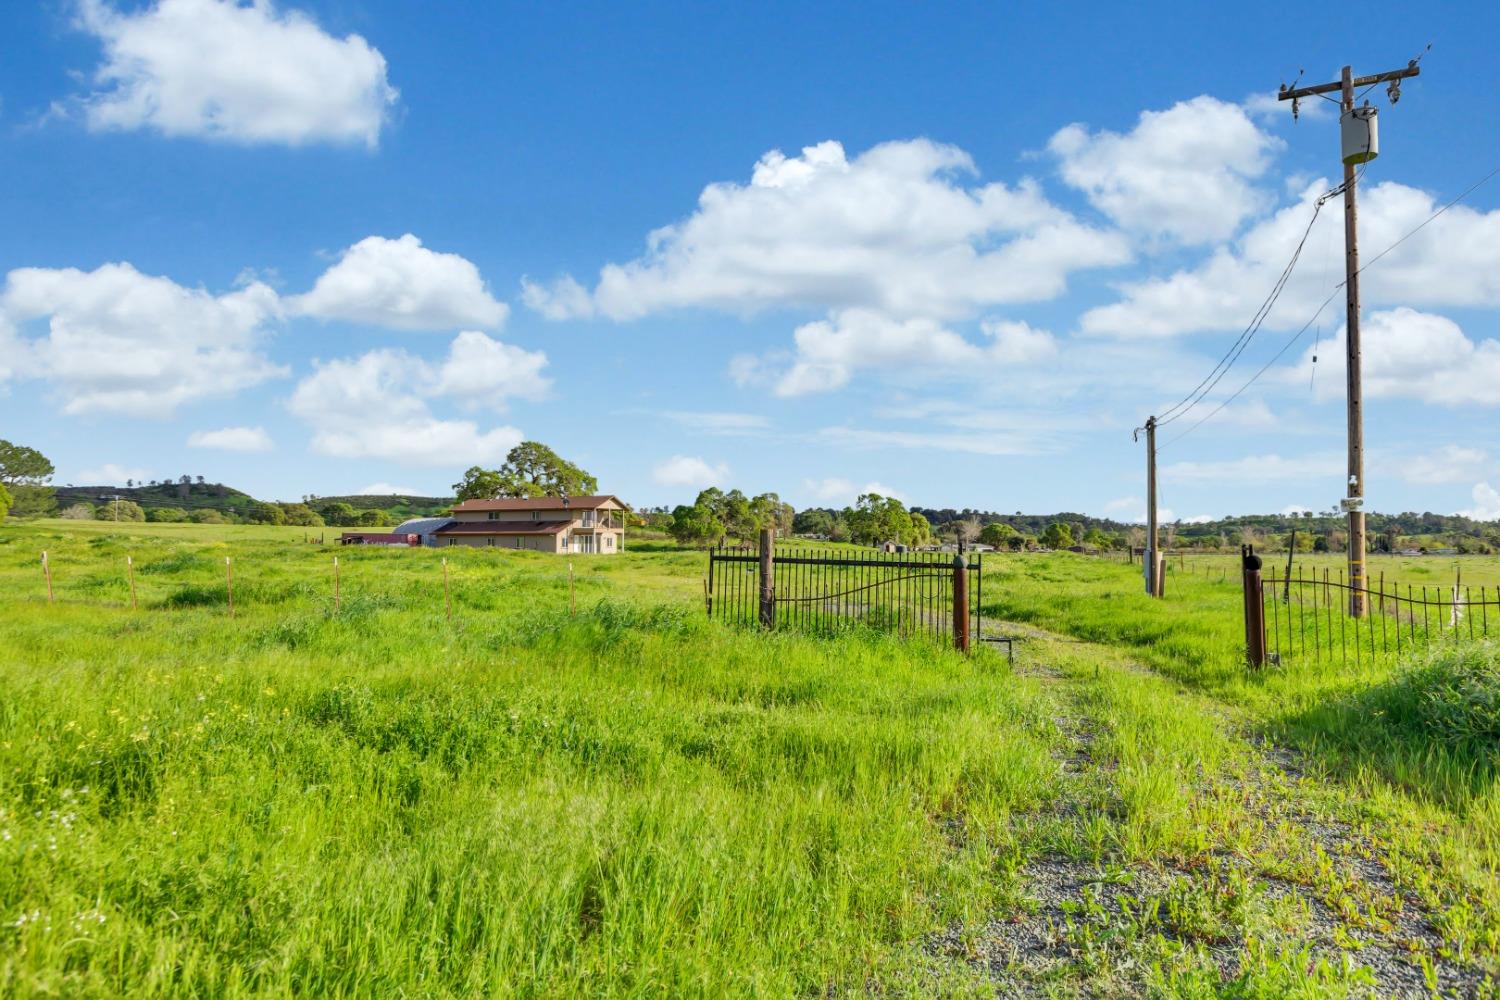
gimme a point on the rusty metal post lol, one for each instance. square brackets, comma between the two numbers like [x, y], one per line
[767, 579]
[1255, 609]
[960, 604]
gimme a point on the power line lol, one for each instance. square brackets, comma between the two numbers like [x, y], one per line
[1298, 335]
[1217, 373]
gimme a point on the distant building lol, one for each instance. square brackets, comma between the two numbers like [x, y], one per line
[380, 538]
[541, 524]
[426, 528]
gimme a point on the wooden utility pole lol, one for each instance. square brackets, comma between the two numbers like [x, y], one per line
[1354, 499]
[1151, 563]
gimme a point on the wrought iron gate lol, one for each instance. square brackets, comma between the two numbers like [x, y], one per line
[808, 589]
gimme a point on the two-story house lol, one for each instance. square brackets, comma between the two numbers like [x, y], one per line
[542, 524]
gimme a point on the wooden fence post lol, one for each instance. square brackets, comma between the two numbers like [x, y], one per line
[767, 579]
[336, 585]
[1255, 609]
[960, 604]
[130, 573]
[229, 584]
[572, 594]
[47, 572]
[447, 597]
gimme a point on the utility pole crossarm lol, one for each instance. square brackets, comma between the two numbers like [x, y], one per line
[1411, 70]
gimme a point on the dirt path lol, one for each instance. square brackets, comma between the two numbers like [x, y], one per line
[1271, 877]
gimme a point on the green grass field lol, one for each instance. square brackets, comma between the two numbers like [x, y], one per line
[631, 800]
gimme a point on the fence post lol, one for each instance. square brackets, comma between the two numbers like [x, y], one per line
[130, 573]
[229, 584]
[960, 604]
[767, 580]
[1255, 609]
[47, 572]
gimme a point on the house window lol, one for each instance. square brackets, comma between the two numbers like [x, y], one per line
[453, 541]
[536, 514]
[490, 542]
[494, 515]
[588, 519]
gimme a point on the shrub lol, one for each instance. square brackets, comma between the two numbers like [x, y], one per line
[1451, 696]
[120, 510]
[79, 512]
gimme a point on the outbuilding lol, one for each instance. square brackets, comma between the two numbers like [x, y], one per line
[425, 528]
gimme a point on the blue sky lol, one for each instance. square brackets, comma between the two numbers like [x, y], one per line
[952, 253]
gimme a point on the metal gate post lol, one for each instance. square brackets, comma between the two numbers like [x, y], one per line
[1255, 608]
[767, 580]
[960, 604]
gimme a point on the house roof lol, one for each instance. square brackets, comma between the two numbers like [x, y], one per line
[422, 525]
[503, 528]
[538, 503]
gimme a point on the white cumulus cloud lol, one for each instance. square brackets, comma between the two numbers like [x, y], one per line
[377, 405]
[893, 229]
[232, 439]
[1486, 503]
[829, 352]
[689, 471]
[220, 69]
[1408, 354]
[1454, 260]
[119, 341]
[400, 283]
[1449, 463]
[1186, 173]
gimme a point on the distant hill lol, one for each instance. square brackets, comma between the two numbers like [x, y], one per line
[185, 496]
[199, 495]
[398, 505]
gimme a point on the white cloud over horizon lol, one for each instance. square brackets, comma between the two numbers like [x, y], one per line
[689, 471]
[377, 405]
[223, 70]
[119, 341]
[111, 474]
[1486, 503]
[386, 489]
[232, 439]
[840, 492]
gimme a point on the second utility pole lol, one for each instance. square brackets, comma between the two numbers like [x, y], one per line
[1151, 560]
[1354, 498]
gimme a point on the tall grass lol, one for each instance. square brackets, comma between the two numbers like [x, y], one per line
[374, 799]
[631, 801]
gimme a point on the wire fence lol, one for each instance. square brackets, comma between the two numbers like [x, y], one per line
[1312, 617]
